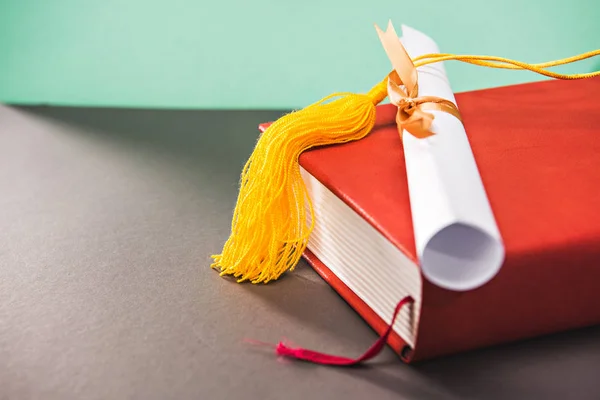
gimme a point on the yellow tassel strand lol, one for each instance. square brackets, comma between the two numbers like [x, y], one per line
[506, 63]
[269, 230]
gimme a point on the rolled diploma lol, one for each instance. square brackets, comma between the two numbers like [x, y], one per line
[457, 240]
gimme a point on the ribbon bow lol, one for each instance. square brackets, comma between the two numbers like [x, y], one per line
[411, 115]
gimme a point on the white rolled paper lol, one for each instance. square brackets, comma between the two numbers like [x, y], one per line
[457, 240]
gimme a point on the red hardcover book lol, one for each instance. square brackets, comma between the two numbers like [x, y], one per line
[537, 148]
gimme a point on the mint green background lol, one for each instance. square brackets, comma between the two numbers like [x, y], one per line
[262, 53]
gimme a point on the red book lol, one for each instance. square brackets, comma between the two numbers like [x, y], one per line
[537, 148]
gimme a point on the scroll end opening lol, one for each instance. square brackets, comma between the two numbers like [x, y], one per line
[461, 257]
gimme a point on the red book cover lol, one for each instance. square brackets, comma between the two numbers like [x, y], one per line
[537, 148]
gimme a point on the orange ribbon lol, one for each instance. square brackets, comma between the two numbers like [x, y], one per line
[411, 115]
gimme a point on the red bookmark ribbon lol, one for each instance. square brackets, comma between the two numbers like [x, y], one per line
[328, 359]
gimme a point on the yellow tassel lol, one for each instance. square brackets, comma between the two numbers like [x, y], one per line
[269, 230]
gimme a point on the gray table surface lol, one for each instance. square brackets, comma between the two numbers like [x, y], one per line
[108, 219]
